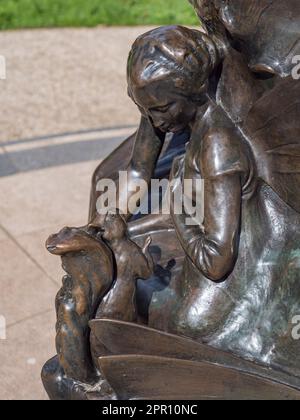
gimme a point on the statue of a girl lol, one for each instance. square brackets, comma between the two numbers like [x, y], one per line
[240, 285]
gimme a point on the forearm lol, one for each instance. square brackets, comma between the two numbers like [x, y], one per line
[213, 247]
[117, 161]
[132, 182]
[129, 178]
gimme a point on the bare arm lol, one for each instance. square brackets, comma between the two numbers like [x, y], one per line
[214, 249]
[138, 161]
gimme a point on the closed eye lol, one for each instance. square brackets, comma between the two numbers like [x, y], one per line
[162, 109]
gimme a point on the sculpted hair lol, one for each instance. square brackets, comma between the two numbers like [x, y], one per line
[187, 56]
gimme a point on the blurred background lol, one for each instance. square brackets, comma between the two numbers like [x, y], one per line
[64, 108]
[16, 14]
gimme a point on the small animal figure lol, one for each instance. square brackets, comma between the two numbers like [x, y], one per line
[132, 263]
[88, 263]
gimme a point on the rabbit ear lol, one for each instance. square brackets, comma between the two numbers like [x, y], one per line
[106, 216]
[122, 217]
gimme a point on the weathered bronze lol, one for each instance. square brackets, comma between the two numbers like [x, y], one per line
[265, 31]
[225, 292]
[132, 263]
[88, 263]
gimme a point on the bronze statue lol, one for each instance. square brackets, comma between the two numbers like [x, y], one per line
[88, 263]
[265, 31]
[234, 286]
[132, 263]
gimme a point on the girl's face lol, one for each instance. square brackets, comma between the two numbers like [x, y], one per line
[165, 106]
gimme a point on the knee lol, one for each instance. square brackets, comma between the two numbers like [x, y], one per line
[198, 318]
[52, 377]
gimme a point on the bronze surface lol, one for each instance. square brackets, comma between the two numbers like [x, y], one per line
[229, 285]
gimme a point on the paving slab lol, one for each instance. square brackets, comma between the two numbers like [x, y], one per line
[3, 234]
[33, 156]
[40, 199]
[52, 183]
[34, 244]
[26, 290]
[7, 167]
[27, 346]
[62, 80]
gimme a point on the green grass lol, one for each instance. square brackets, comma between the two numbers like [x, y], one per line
[15, 14]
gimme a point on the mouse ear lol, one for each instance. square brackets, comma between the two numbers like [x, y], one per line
[122, 217]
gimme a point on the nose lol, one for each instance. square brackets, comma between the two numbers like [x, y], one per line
[51, 244]
[156, 119]
[158, 123]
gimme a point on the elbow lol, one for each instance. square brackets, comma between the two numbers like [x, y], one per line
[217, 264]
[217, 275]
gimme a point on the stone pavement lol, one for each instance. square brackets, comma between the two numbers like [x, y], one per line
[59, 81]
[38, 197]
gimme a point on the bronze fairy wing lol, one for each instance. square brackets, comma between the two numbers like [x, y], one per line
[119, 338]
[266, 31]
[273, 129]
[159, 378]
[268, 120]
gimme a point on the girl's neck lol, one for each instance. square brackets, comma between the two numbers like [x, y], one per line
[199, 114]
